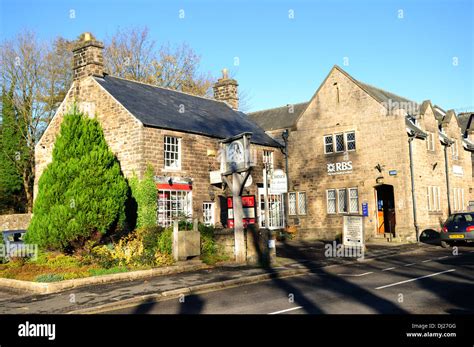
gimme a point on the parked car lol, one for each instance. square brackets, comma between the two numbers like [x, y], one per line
[459, 227]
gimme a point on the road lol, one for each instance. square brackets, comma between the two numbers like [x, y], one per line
[432, 281]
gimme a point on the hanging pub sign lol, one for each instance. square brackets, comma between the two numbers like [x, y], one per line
[249, 206]
[235, 154]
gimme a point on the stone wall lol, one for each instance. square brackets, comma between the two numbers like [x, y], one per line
[196, 164]
[122, 131]
[225, 242]
[381, 140]
[15, 221]
[137, 146]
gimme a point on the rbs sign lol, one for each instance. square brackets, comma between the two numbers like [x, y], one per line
[339, 168]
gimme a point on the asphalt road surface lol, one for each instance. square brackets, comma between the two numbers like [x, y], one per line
[432, 281]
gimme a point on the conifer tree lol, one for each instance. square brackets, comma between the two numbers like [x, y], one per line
[13, 155]
[82, 192]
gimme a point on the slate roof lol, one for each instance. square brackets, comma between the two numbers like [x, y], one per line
[279, 117]
[463, 121]
[383, 96]
[160, 107]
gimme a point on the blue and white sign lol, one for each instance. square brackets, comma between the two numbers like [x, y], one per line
[365, 209]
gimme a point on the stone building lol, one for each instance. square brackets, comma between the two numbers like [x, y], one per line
[349, 153]
[178, 134]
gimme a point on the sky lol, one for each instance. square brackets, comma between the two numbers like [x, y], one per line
[281, 51]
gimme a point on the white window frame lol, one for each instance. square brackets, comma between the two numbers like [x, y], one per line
[332, 143]
[349, 198]
[346, 144]
[276, 211]
[165, 215]
[345, 141]
[268, 158]
[177, 166]
[208, 213]
[335, 201]
[458, 197]
[434, 198]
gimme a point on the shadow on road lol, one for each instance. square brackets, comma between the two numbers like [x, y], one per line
[338, 284]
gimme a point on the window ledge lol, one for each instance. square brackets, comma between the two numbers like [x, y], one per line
[171, 169]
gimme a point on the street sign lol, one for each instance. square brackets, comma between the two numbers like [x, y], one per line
[278, 182]
[365, 209]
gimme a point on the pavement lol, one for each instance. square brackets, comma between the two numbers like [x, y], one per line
[302, 277]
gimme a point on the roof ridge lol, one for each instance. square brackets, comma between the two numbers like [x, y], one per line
[274, 108]
[362, 84]
[165, 88]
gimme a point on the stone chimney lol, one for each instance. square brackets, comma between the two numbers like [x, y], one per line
[226, 90]
[88, 59]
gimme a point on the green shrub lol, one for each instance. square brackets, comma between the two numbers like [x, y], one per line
[144, 193]
[82, 192]
[165, 241]
[142, 247]
[49, 278]
[208, 245]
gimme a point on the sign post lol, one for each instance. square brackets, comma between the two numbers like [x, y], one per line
[236, 163]
[353, 234]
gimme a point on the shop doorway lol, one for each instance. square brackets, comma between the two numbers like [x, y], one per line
[385, 202]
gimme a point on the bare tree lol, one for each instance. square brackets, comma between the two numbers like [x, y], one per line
[132, 54]
[37, 72]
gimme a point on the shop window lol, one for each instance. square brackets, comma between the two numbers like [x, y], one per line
[172, 152]
[276, 212]
[174, 204]
[331, 201]
[208, 213]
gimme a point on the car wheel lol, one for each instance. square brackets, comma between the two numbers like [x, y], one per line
[445, 244]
